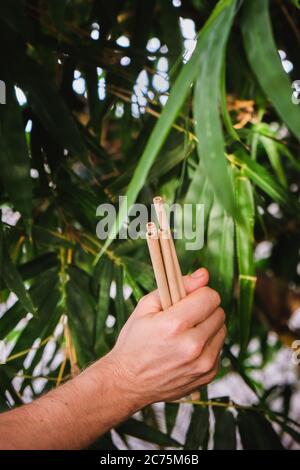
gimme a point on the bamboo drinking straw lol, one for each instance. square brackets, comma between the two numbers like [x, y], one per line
[170, 261]
[164, 238]
[164, 225]
[158, 265]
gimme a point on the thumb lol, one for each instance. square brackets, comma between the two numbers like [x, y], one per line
[198, 278]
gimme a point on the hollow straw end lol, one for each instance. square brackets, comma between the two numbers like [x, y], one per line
[151, 230]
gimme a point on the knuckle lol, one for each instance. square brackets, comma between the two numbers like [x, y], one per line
[211, 376]
[176, 326]
[215, 297]
[172, 328]
[206, 364]
[142, 301]
[221, 314]
[192, 349]
[201, 343]
[224, 332]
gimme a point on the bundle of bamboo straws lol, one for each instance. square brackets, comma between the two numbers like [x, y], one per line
[165, 263]
[164, 258]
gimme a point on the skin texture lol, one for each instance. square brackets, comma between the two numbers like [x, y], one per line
[159, 356]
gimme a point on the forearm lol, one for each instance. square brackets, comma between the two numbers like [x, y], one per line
[157, 357]
[72, 416]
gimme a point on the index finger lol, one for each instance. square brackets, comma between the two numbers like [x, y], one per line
[151, 302]
[194, 308]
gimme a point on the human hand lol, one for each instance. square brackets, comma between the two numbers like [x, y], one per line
[165, 355]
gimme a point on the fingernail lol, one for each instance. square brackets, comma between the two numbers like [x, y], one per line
[198, 273]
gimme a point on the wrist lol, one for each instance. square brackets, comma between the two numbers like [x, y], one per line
[121, 386]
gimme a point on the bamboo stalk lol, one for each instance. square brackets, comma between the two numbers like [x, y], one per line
[71, 353]
[158, 265]
[164, 225]
[164, 238]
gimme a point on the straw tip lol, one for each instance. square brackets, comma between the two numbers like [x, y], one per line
[151, 230]
[158, 200]
[150, 225]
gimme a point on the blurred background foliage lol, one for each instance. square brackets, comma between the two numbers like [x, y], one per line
[191, 99]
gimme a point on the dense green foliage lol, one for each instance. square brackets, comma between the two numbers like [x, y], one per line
[220, 129]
